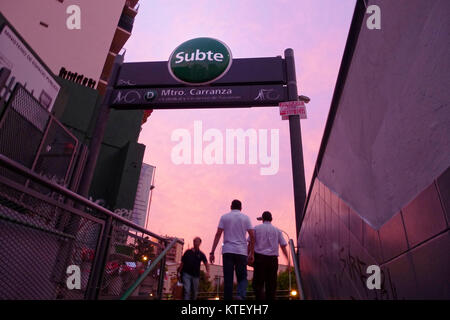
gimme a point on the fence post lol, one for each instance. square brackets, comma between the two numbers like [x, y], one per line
[99, 130]
[98, 267]
[4, 75]
[161, 275]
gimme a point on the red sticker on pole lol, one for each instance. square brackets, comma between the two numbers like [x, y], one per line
[289, 108]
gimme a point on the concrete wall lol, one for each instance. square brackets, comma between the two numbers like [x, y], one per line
[412, 249]
[389, 139]
[382, 191]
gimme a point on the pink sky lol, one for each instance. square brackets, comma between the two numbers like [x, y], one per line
[189, 199]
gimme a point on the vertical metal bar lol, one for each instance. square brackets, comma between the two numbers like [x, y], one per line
[298, 170]
[98, 267]
[39, 150]
[162, 268]
[78, 168]
[99, 130]
[3, 102]
[91, 285]
[297, 270]
[41, 145]
[4, 75]
[5, 110]
[72, 158]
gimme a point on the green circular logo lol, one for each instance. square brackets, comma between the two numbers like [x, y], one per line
[200, 61]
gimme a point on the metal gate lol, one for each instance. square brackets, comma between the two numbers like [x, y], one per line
[33, 137]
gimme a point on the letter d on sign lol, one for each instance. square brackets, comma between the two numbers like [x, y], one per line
[74, 280]
[374, 281]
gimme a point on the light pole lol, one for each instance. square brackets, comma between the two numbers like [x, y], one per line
[298, 169]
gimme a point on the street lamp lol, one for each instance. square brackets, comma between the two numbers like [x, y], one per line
[305, 99]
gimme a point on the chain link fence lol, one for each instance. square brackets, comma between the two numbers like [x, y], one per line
[46, 229]
[33, 137]
[50, 235]
[41, 235]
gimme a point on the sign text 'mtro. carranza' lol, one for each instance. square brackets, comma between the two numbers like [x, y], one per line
[197, 97]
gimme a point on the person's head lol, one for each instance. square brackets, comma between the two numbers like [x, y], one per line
[266, 216]
[197, 242]
[236, 205]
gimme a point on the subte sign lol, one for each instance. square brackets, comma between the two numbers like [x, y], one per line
[200, 61]
[201, 73]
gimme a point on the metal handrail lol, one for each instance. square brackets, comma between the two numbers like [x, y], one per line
[36, 227]
[148, 270]
[296, 269]
[18, 168]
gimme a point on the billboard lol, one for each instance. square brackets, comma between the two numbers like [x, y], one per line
[143, 194]
[26, 69]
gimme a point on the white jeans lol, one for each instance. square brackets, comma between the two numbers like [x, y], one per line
[190, 283]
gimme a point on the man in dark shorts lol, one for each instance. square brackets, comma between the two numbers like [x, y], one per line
[190, 269]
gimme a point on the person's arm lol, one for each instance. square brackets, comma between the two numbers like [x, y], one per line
[251, 246]
[283, 245]
[283, 248]
[216, 241]
[205, 262]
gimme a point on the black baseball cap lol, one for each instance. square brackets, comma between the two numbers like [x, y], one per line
[266, 216]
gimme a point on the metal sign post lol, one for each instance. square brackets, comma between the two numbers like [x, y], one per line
[99, 130]
[298, 170]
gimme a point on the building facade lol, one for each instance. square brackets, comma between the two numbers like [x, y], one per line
[143, 195]
[78, 40]
[175, 253]
[83, 56]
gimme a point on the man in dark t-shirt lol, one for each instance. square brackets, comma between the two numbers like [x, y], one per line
[190, 269]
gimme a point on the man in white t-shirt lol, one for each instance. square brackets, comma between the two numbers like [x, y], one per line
[267, 240]
[235, 252]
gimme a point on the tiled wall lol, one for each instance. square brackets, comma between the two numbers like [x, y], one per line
[412, 249]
